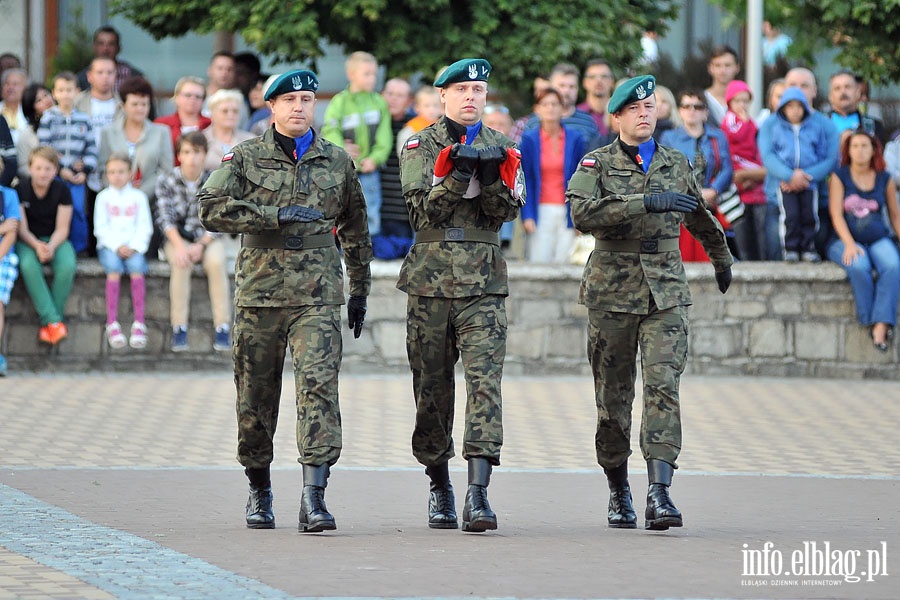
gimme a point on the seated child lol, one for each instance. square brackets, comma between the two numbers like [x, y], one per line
[123, 227]
[9, 262]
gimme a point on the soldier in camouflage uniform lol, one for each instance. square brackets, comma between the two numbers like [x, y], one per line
[285, 192]
[461, 182]
[632, 196]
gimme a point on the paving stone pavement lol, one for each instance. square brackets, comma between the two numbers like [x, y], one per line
[126, 486]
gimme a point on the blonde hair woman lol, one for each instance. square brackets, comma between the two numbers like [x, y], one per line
[223, 134]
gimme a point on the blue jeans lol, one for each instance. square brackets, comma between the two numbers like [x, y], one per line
[113, 263]
[371, 187]
[773, 233]
[876, 298]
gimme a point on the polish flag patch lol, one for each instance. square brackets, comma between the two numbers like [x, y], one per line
[412, 143]
[228, 157]
[589, 162]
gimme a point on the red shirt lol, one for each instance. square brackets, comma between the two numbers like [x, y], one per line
[553, 179]
[173, 122]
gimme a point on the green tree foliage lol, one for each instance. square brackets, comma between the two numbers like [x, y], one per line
[521, 38]
[74, 51]
[865, 32]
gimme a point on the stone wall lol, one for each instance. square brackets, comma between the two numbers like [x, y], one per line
[777, 319]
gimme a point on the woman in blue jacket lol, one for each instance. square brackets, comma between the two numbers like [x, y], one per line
[693, 135]
[550, 155]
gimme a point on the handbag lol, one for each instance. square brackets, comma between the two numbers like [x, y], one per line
[730, 204]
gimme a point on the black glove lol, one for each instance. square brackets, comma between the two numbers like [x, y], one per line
[465, 159]
[489, 160]
[670, 202]
[298, 214]
[723, 278]
[356, 314]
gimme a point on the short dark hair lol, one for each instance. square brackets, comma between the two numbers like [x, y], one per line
[66, 76]
[224, 53]
[97, 58]
[137, 86]
[191, 138]
[109, 29]
[248, 59]
[722, 51]
[596, 62]
[691, 93]
[14, 57]
[564, 68]
[847, 72]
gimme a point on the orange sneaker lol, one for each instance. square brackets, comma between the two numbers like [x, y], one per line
[44, 334]
[58, 332]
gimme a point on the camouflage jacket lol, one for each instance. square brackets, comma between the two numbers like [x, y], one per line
[243, 196]
[606, 194]
[454, 269]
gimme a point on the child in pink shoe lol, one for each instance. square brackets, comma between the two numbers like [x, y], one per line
[123, 227]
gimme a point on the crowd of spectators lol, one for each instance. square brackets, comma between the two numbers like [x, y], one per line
[790, 183]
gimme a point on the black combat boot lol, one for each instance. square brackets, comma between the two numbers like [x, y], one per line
[477, 513]
[259, 505]
[621, 511]
[441, 503]
[314, 517]
[661, 512]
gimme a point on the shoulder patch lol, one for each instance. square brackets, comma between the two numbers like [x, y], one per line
[228, 156]
[412, 143]
[589, 162]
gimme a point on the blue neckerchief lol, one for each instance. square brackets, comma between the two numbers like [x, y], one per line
[302, 144]
[471, 132]
[646, 152]
[845, 122]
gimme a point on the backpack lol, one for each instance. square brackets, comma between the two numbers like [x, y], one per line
[78, 230]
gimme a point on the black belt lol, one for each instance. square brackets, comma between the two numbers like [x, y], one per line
[275, 241]
[458, 234]
[654, 246]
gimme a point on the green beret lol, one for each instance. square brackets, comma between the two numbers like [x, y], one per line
[299, 80]
[636, 88]
[467, 69]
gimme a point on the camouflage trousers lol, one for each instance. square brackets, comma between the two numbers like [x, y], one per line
[438, 332]
[261, 336]
[613, 342]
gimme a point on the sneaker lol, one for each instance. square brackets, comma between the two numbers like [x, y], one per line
[222, 341]
[2, 366]
[44, 334]
[811, 257]
[57, 332]
[138, 335]
[114, 335]
[179, 339]
[791, 256]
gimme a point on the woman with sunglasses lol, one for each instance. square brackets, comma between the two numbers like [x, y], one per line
[696, 138]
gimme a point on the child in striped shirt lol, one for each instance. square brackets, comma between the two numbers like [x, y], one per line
[69, 132]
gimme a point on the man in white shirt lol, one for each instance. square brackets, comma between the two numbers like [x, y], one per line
[103, 106]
